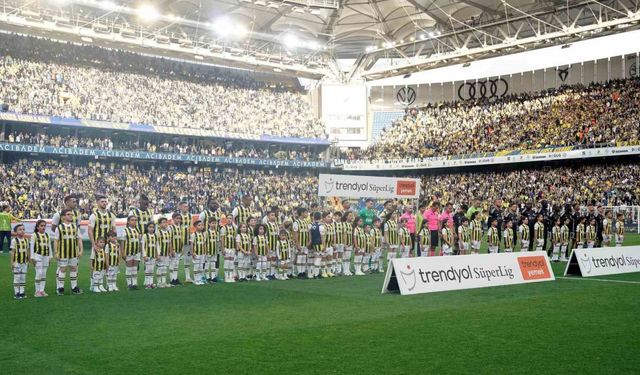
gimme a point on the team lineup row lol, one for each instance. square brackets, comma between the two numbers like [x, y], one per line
[320, 245]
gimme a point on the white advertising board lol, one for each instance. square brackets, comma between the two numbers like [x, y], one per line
[603, 261]
[442, 273]
[351, 186]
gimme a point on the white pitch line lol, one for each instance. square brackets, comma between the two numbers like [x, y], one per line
[604, 280]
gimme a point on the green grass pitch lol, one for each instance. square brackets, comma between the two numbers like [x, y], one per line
[339, 325]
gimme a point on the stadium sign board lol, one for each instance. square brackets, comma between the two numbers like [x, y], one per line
[493, 158]
[603, 261]
[437, 274]
[350, 186]
[158, 156]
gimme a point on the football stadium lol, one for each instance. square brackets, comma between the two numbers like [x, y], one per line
[320, 186]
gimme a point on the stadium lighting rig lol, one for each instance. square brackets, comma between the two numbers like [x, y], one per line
[229, 43]
[464, 42]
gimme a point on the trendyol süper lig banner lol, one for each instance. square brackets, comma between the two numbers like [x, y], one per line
[603, 261]
[437, 274]
[352, 186]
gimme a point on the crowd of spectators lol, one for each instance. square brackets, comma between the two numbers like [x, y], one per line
[35, 188]
[182, 145]
[600, 113]
[612, 185]
[73, 81]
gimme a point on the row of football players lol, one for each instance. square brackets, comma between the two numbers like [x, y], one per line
[322, 247]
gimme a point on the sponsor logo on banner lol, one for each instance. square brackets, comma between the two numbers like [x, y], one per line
[408, 277]
[534, 267]
[406, 188]
[367, 186]
[17, 147]
[603, 261]
[436, 274]
[525, 156]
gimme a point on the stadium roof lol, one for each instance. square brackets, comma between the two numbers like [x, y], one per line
[307, 37]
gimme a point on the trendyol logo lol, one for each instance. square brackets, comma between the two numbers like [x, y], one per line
[534, 267]
[406, 188]
[329, 185]
[358, 187]
[585, 260]
[409, 277]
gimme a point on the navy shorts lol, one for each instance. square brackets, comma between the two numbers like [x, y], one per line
[434, 238]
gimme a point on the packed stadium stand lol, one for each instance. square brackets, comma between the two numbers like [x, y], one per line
[599, 114]
[71, 81]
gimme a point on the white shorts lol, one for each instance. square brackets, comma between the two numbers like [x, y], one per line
[447, 250]
[619, 240]
[68, 262]
[199, 259]
[20, 267]
[328, 251]
[556, 248]
[315, 253]
[230, 253]
[475, 245]
[164, 261]
[348, 248]
[524, 245]
[406, 250]
[493, 249]
[41, 260]
[339, 248]
[186, 249]
[465, 246]
[131, 258]
[507, 250]
[150, 263]
[606, 239]
[590, 245]
[394, 248]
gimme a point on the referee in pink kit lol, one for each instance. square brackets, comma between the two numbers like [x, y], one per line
[432, 217]
[411, 225]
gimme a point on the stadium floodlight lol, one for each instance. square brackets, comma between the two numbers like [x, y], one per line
[222, 26]
[423, 37]
[148, 12]
[431, 34]
[240, 31]
[225, 27]
[108, 5]
[291, 41]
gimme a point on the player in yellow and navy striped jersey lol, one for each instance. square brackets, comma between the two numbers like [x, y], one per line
[19, 252]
